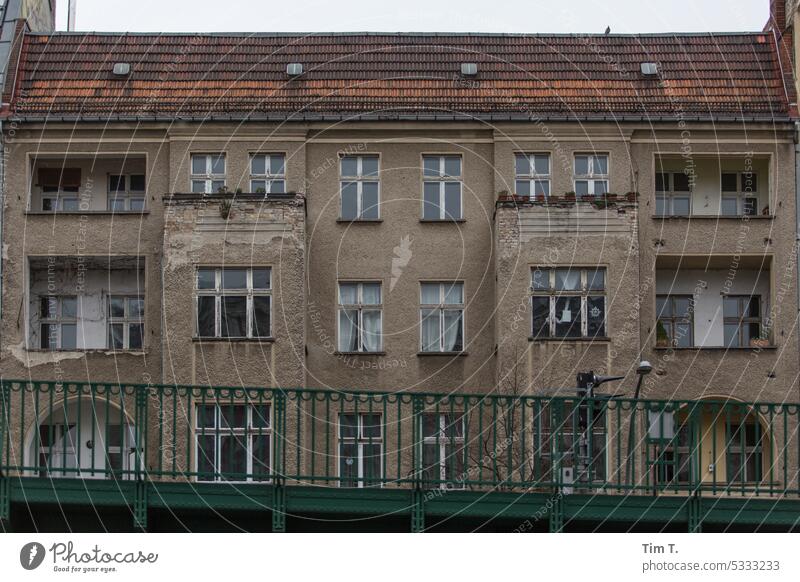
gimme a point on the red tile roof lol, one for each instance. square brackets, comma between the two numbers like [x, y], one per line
[401, 75]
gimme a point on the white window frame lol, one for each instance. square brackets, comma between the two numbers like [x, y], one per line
[359, 180]
[208, 177]
[669, 196]
[442, 179]
[532, 177]
[218, 293]
[741, 195]
[127, 320]
[360, 306]
[218, 431]
[268, 178]
[443, 441]
[592, 178]
[359, 441]
[584, 292]
[59, 199]
[441, 308]
[127, 195]
[59, 320]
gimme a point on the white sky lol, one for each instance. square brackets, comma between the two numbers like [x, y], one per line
[624, 16]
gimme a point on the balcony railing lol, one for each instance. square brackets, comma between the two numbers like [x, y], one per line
[374, 439]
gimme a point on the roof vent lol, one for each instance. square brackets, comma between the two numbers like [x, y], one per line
[469, 69]
[649, 69]
[122, 69]
[294, 69]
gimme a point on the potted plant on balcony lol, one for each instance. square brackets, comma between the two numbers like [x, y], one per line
[632, 196]
[759, 342]
[504, 196]
[225, 209]
[569, 196]
[662, 338]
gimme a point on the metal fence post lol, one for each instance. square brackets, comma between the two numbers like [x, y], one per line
[5, 481]
[418, 495]
[279, 464]
[140, 457]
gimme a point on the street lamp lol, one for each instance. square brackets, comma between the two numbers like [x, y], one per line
[642, 370]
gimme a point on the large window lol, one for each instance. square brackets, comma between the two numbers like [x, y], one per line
[268, 173]
[233, 442]
[125, 323]
[360, 317]
[60, 187]
[208, 173]
[442, 317]
[360, 188]
[745, 451]
[532, 175]
[739, 193]
[571, 442]
[443, 451]
[591, 174]
[675, 327]
[126, 192]
[234, 302]
[742, 320]
[360, 449]
[568, 302]
[673, 195]
[58, 320]
[441, 188]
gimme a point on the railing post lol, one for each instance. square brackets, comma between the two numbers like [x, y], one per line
[279, 463]
[556, 521]
[418, 495]
[695, 513]
[140, 457]
[5, 481]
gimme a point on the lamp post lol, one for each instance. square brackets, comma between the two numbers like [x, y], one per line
[642, 370]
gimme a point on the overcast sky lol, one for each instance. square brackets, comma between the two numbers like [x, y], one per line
[624, 16]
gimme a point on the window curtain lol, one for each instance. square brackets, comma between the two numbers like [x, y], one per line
[430, 330]
[60, 177]
[371, 320]
[453, 331]
[348, 330]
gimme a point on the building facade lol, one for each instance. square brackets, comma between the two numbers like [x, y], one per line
[454, 223]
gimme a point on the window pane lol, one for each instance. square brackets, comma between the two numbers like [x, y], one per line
[234, 316]
[348, 426]
[70, 204]
[680, 206]
[730, 307]
[540, 307]
[568, 316]
[596, 279]
[430, 166]
[430, 330]
[261, 316]
[541, 187]
[258, 186]
[430, 206]
[596, 311]
[452, 166]
[205, 316]
[568, 280]
[454, 293]
[233, 458]
[217, 186]
[453, 330]
[369, 166]
[218, 165]
[661, 206]
[116, 339]
[371, 425]
[261, 417]
[750, 206]
[662, 182]
[137, 203]
[731, 335]
[680, 182]
[69, 307]
[118, 204]
[116, 183]
[116, 307]
[729, 182]
[663, 306]
[600, 165]
[349, 166]
[233, 415]
[260, 456]
[205, 457]
[48, 307]
[258, 165]
[730, 206]
[371, 293]
[749, 183]
[261, 278]
[371, 323]
[600, 187]
[137, 183]
[581, 165]
[198, 186]
[206, 416]
[430, 294]
[135, 335]
[348, 330]
[452, 200]
[348, 293]
[369, 201]
[682, 306]
[277, 165]
[581, 188]
[198, 165]
[541, 279]
[348, 464]
[523, 188]
[277, 187]
[349, 200]
[372, 464]
[541, 165]
[69, 336]
[752, 307]
[205, 279]
[234, 278]
[522, 165]
[683, 335]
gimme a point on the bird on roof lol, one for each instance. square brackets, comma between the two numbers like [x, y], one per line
[608, 29]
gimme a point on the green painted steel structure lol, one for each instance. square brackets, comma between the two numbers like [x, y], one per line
[365, 459]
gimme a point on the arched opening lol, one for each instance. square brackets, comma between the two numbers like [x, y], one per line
[86, 438]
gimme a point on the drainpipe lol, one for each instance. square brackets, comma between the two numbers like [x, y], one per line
[797, 203]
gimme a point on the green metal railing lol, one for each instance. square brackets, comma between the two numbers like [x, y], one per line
[375, 439]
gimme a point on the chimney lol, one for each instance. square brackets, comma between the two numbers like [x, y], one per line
[777, 16]
[72, 6]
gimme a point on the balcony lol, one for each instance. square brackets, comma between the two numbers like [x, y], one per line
[368, 452]
[88, 184]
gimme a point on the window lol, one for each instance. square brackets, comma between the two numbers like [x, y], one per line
[125, 323]
[443, 451]
[673, 195]
[441, 188]
[533, 175]
[591, 174]
[360, 191]
[60, 187]
[568, 303]
[233, 442]
[669, 441]
[739, 194]
[571, 443]
[675, 321]
[268, 173]
[126, 192]
[58, 322]
[742, 320]
[208, 173]
[442, 317]
[360, 449]
[360, 317]
[234, 302]
[745, 451]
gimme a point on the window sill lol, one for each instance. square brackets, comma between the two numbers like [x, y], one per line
[215, 340]
[434, 354]
[715, 348]
[443, 220]
[569, 339]
[104, 351]
[712, 216]
[82, 212]
[359, 221]
[338, 353]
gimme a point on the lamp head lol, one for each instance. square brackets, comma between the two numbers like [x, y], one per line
[644, 368]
